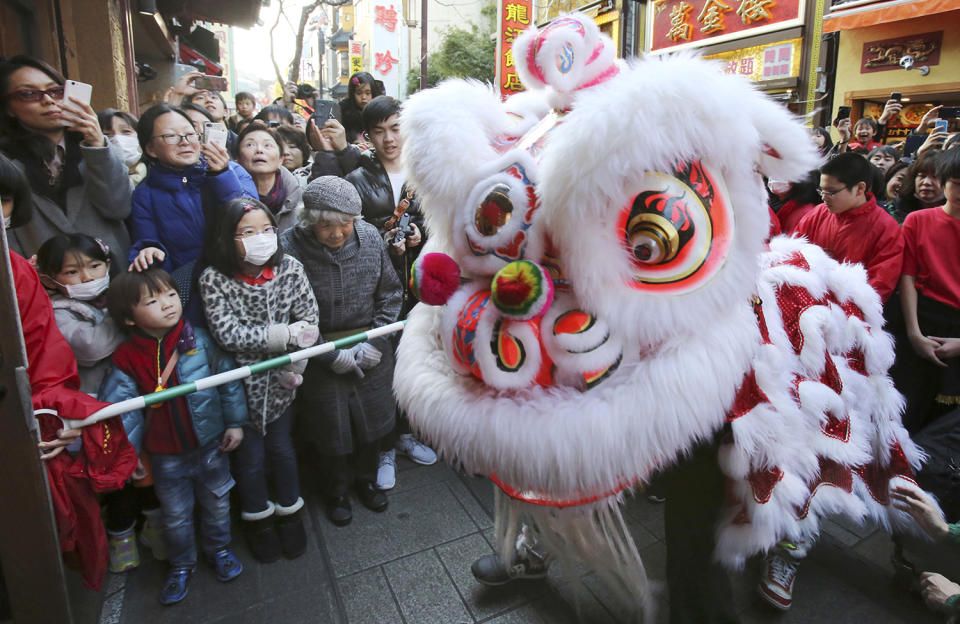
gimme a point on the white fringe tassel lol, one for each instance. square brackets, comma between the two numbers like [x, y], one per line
[594, 535]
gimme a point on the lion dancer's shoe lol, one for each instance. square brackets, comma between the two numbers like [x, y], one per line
[780, 572]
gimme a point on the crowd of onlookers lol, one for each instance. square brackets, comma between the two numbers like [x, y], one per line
[155, 251]
[899, 216]
[161, 250]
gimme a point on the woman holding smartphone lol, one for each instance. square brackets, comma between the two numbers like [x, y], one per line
[187, 182]
[78, 183]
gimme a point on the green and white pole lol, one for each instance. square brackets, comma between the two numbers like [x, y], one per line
[140, 402]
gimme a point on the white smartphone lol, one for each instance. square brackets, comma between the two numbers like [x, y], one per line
[80, 91]
[941, 125]
[214, 133]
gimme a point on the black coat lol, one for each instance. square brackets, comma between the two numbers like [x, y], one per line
[379, 207]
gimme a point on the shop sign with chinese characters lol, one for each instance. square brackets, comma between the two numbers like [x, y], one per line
[515, 17]
[677, 24]
[771, 61]
[386, 48]
[356, 57]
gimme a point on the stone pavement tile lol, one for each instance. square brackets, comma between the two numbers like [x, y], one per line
[524, 615]
[311, 606]
[411, 476]
[425, 591]
[620, 612]
[838, 532]
[416, 519]
[860, 529]
[207, 599]
[482, 489]
[367, 598]
[642, 536]
[876, 549]
[469, 501]
[483, 601]
[649, 515]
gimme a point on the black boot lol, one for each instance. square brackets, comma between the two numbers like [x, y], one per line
[261, 533]
[339, 510]
[372, 497]
[293, 537]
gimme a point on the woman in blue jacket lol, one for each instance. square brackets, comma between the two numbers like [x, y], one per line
[187, 181]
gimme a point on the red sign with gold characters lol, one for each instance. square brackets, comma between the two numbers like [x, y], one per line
[689, 23]
[515, 17]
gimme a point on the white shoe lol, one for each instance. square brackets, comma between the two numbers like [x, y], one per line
[415, 450]
[387, 470]
[776, 584]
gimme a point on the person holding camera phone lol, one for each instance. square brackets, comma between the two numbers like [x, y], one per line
[78, 183]
[186, 181]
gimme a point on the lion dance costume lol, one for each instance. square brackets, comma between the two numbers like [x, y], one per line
[604, 296]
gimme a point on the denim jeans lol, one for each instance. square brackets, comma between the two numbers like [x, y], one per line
[202, 474]
[259, 455]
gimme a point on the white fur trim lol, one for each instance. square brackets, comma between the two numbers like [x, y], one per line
[260, 515]
[292, 509]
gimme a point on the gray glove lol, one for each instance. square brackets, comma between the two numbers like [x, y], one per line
[346, 362]
[367, 355]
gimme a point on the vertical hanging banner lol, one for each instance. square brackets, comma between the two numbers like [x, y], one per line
[356, 57]
[515, 17]
[386, 48]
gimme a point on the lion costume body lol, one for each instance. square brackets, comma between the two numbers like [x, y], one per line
[619, 302]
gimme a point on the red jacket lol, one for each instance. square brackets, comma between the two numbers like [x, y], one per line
[790, 215]
[107, 459]
[866, 234]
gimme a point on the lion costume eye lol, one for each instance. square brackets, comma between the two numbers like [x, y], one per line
[494, 211]
[677, 229]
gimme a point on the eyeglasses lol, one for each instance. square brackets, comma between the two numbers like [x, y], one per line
[175, 139]
[825, 194]
[248, 232]
[35, 95]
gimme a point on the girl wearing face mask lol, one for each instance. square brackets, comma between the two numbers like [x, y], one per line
[76, 270]
[120, 128]
[259, 304]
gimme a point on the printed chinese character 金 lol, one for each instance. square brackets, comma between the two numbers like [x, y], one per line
[516, 13]
[711, 17]
[385, 17]
[680, 21]
[385, 62]
[754, 10]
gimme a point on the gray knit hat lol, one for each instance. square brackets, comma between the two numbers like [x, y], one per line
[331, 193]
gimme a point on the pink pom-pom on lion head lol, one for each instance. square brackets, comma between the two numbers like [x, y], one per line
[569, 54]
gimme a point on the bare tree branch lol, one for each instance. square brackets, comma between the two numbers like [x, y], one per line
[276, 68]
[298, 44]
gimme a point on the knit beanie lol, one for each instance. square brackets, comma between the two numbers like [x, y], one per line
[331, 193]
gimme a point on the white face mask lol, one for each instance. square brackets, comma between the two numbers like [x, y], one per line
[127, 148]
[778, 187]
[6, 222]
[259, 248]
[88, 291]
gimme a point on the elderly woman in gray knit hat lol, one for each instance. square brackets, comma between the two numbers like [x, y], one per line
[347, 405]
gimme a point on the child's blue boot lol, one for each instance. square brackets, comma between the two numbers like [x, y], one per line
[175, 587]
[227, 565]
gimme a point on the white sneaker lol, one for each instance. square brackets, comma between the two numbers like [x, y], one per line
[776, 584]
[415, 450]
[387, 470]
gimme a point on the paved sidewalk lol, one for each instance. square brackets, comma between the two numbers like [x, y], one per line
[411, 565]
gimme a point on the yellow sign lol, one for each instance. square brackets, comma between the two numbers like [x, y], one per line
[356, 57]
[772, 61]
